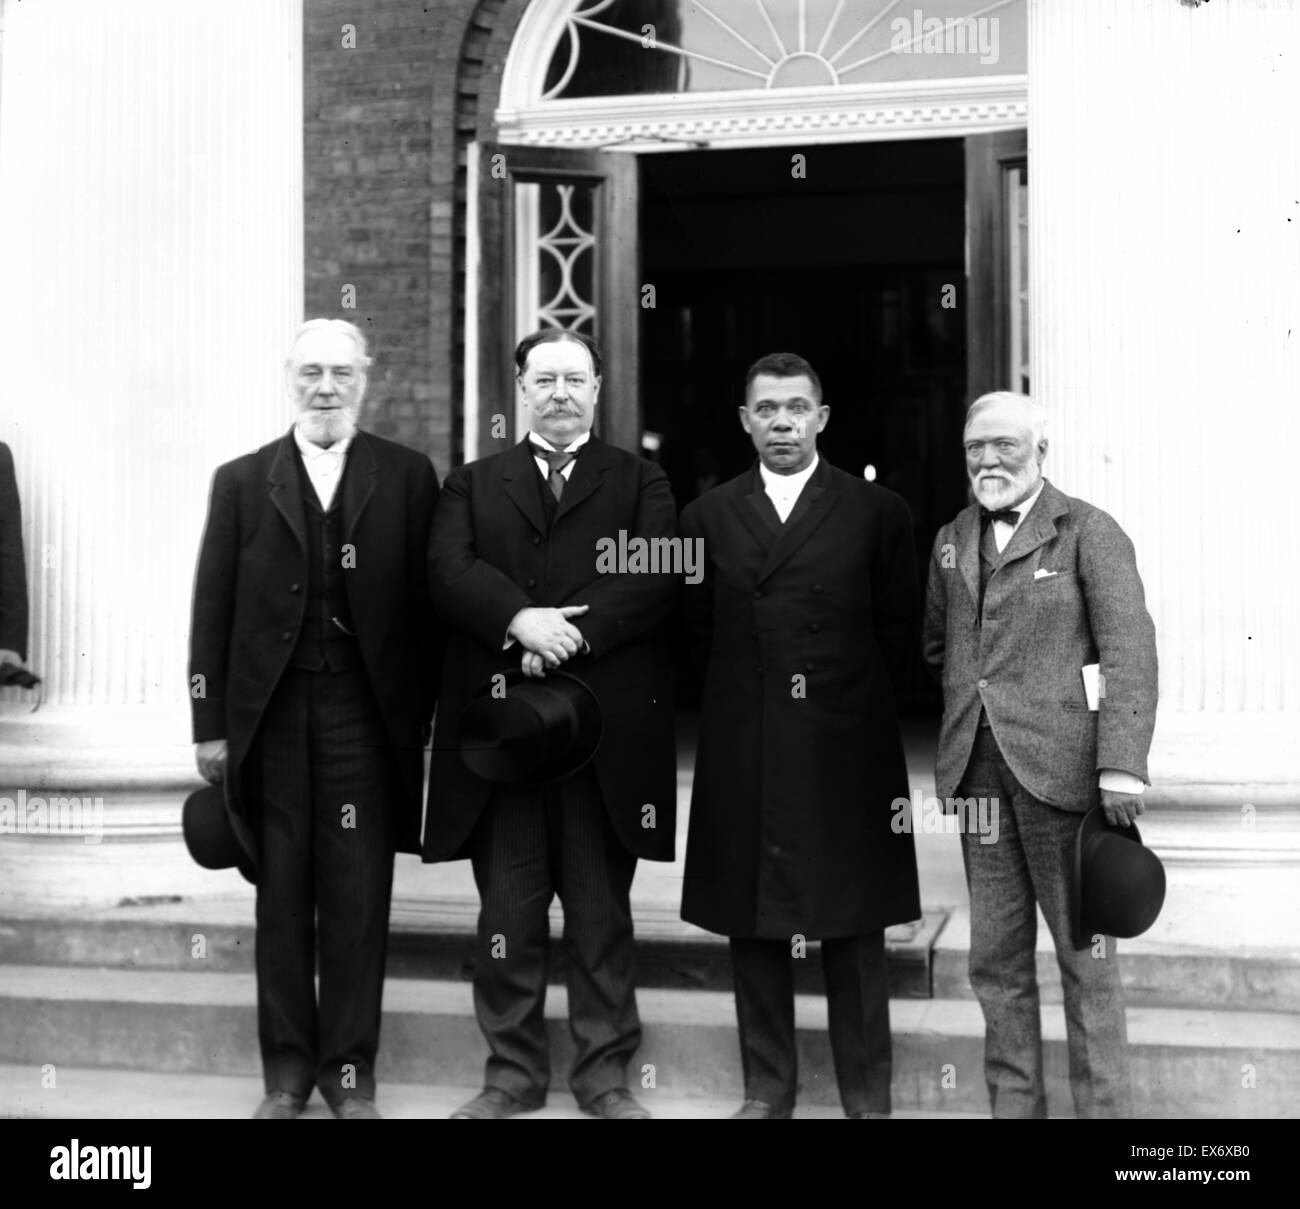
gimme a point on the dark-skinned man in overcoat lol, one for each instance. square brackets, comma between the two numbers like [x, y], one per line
[804, 616]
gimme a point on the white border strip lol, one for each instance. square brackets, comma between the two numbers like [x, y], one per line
[469, 402]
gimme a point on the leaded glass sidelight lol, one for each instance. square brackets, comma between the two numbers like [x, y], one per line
[555, 255]
[560, 252]
[629, 47]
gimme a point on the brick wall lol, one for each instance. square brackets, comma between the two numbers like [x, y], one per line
[386, 124]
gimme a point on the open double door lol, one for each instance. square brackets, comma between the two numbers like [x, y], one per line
[558, 246]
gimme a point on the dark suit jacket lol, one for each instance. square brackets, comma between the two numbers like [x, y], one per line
[13, 566]
[250, 596]
[1024, 664]
[492, 555]
[805, 629]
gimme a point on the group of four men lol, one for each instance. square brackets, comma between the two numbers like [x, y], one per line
[340, 596]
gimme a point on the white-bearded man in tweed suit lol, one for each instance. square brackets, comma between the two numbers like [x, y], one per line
[1026, 588]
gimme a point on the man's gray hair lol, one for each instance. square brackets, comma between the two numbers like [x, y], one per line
[336, 325]
[1036, 412]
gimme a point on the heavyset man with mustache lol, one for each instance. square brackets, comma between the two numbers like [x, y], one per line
[1027, 587]
[313, 664]
[514, 568]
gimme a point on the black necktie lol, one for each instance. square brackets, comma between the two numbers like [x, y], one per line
[1009, 515]
[557, 460]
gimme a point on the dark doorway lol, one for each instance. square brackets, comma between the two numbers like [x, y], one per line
[843, 257]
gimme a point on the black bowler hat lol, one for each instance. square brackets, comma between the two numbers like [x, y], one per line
[13, 673]
[1119, 885]
[519, 730]
[216, 837]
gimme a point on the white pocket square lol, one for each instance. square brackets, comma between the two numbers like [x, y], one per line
[1092, 684]
[1041, 574]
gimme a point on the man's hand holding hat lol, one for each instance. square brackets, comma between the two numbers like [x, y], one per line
[1121, 808]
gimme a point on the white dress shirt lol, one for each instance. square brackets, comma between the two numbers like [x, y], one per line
[784, 489]
[324, 466]
[1107, 778]
[542, 464]
[544, 470]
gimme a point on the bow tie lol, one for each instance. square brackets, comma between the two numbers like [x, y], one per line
[1008, 516]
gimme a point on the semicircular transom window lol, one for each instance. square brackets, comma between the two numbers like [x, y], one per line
[628, 47]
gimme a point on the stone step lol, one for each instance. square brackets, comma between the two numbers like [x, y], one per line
[1186, 1063]
[1156, 971]
[433, 941]
[88, 1093]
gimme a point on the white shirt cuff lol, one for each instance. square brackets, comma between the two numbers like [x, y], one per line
[1119, 781]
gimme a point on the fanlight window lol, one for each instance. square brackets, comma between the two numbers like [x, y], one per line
[625, 47]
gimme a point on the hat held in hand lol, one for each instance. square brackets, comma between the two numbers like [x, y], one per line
[213, 832]
[15, 673]
[1119, 885]
[519, 730]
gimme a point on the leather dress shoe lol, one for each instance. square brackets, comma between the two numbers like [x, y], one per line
[356, 1108]
[760, 1110]
[617, 1104]
[280, 1106]
[492, 1104]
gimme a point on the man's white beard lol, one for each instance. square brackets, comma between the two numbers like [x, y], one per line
[326, 427]
[995, 497]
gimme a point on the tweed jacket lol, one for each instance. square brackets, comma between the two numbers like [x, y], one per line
[1067, 593]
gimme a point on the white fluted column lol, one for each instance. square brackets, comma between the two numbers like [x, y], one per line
[1164, 146]
[151, 254]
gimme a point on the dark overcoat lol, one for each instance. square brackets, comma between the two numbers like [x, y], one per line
[492, 554]
[804, 627]
[13, 566]
[250, 601]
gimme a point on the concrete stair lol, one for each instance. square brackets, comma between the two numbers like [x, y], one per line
[95, 1093]
[205, 1023]
[1155, 973]
[927, 959]
[432, 941]
[168, 989]
[146, 1007]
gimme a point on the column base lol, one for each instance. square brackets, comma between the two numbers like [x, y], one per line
[90, 808]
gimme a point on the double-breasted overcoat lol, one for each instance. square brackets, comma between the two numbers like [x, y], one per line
[804, 628]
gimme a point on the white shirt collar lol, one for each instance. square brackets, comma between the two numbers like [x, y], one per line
[309, 449]
[576, 443]
[1024, 507]
[787, 484]
[1004, 531]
